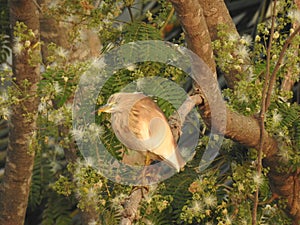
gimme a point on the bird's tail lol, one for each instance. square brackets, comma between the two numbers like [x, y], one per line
[175, 160]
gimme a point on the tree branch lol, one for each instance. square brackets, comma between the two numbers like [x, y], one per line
[216, 14]
[278, 64]
[242, 129]
[193, 23]
[131, 205]
[289, 79]
[263, 109]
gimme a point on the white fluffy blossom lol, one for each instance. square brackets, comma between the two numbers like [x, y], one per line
[17, 46]
[5, 113]
[294, 15]
[246, 40]
[210, 201]
[276, 117]
[258, 179]
[61, 52]
[57, 87]
[77, 133]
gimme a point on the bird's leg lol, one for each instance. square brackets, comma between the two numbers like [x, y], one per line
[147, 160]
[147, 163]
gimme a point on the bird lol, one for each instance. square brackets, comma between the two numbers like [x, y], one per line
[141, 125]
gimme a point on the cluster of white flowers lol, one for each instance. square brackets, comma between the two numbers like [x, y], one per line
[258, 179]
[197, 206]
[95, 129]
[56, 116]
[61, 52]
[149, 16]
[294, 15]
[78, 134]
[17, 46]
[210, 201]
[93, 222]
[5, 112]
[246, 40]
[57, 87]
[276, 117]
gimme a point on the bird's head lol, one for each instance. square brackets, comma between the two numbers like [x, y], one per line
[120, 102]
[108, 108]
[112, 104]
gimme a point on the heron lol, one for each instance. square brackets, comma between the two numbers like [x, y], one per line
[141, 125]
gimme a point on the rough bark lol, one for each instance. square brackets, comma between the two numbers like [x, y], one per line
[196, 30]
[238, 126]
[297, 2]
[130, 212]
[245, 130]
[216, 14]
[19, 162]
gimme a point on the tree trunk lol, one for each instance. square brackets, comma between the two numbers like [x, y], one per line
[19, 162]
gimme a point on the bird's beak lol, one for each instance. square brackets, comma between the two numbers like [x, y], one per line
[105, 108]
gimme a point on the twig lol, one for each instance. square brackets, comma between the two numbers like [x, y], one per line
[38, 6]
[167, 20]
[97, 3]
[278, 64]
[177, 120]
[263, 109]
[130, 13]
[288, 81]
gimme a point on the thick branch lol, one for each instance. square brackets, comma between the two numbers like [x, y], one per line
[289, 80]
[242, 129]
[195, 29]
[216, 14]
[246, 130]
[297, 2]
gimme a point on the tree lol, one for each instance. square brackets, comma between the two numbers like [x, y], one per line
[20, 153]
[33, 29]
[254, 179]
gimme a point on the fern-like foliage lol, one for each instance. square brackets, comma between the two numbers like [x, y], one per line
[139, 31]
[57, 210]
[288, 133]
[4, 47]
[4, 31]
[45, 206]
[3, 141]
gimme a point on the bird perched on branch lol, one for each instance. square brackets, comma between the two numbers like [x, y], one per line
[141, 126]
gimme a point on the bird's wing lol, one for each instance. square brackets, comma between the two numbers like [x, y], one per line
[147, 122]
